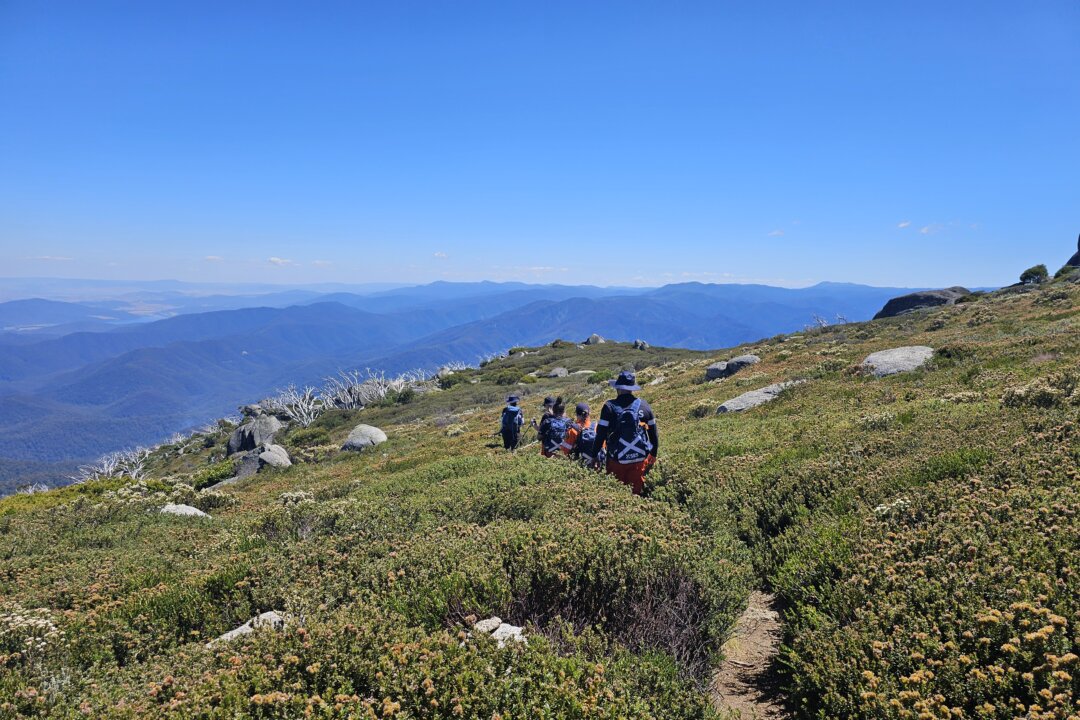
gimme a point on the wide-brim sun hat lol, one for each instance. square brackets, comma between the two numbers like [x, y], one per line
[625, 381]
[512, 398]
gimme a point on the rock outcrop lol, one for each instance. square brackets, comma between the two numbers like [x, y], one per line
[559, 372]
[641, 345]
[1074, 261]
[897, 360]
[259, 429]
[727, 368]
[754, 398]
[263, 456]
[182, 510]
[595, 339]
[275, 456]
[363, 437]
[271, 619]
[919, 300]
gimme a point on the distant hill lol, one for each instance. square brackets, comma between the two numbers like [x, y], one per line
[71, 398]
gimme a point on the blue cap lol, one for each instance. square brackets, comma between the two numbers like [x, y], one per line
[625, 381]
[582, 408]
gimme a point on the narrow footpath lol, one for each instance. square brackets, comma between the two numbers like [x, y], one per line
[746, 686]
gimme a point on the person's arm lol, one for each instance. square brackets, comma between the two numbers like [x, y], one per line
[602, 427]
[650, 422]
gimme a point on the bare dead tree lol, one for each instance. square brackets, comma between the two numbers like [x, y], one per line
[122, 463]
[343, 391]
[303, 406]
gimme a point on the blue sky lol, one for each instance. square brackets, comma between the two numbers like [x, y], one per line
[914, 144]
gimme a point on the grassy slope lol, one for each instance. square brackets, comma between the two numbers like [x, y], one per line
[921, 531]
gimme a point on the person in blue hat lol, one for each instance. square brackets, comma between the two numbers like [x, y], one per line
[510, 423]
[628, 426]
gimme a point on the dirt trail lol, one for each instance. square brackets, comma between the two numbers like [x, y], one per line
[746, 685]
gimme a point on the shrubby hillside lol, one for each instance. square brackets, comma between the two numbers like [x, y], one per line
[918, 530]
[68, 398]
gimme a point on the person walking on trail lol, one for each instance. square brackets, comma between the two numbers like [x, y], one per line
[553, 429]
[628, 426]
[549, 402]
[510, 423]
[580, 433]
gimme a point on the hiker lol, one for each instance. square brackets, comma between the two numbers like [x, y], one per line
[510, 423]
[628, 426]
[553, 429]
[549, 402]
[580, 434]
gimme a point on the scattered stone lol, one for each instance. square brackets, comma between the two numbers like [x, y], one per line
[897, 360]
[727, 368]
[752, 399]
[363, 437]
[559, 372]
[920, 300]
[658, 379]
[488, 626]
[595, 339]
[274, 456]
[507, 633]
[260, 430]
[183, 510]
[641, 345]
[251, 411]
[583, 372]
[271, 619]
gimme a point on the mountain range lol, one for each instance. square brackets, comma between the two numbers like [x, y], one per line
[78, 379]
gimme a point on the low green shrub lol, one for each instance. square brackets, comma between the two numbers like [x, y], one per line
[212, 474]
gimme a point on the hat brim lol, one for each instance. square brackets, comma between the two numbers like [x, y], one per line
[631, 388]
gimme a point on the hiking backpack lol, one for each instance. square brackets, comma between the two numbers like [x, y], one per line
[586, 440]
[628, 441]
[511, 419]
[555, 433]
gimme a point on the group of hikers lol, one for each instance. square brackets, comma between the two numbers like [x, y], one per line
[624, 441]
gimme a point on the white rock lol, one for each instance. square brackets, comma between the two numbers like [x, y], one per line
[756, 397]
[271, 619]
[185, 510]
[506, 633]
[488, 626]
[275, 456]
[364, 436]
[897, 360]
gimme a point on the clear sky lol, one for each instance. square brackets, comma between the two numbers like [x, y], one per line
[900, 143]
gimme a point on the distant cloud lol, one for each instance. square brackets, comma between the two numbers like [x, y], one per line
[280, 262]
[51, 258]
[213, 258]
[321, 263]
[441, 254]
[929, 229]
[903, 224]
[776, 233]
